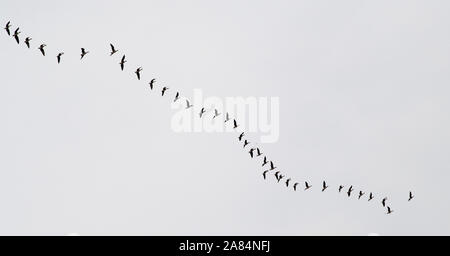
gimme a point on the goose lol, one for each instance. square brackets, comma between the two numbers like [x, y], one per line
[216, 113]
[163, 90]
[41, 47]
[58, 57]
[389, 211]
[177, 96]
[350, 189]
[138, 72]
[227, 117]
[83, 52]
[188, 105]
[383, 202]
[272, 167]
[251, 152]
[8, 25]
[246, 143]
[360, 194]
[410, 196]
[287, 182]
[235, 125]
[240, 136]
[324, 186]
[264, 161]
[340, 188]
[258, 152]
[281, 176]
[307, 186]
[27, 41]
[152, 83]
[265, 173]
[16, 35]
[295, 186]
[113, 50]
[370, 196]
[202, 111]
[122, 64]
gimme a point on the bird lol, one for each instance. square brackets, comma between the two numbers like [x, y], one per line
[58, 57]
[287, 182]
[8, 25]
[27, 41]
[389, 211]
[251, 152]
[360, 194]
[235, 124]
[216, 113]
[295, 186]
[122, 64]
[176, 97]
[370, 196]
[227, 117]
[280, 177]
[340, 188]
[83, 52]
[307, 186]
[276, 174]
[113, 50]
[264, 174]
[410, 196]
[16, 35]
[324, 186]
[264, 161]
[350, 189]
[246, 143]
[240, 136]
[258, 152]
[188, 105]
[383, 202]
[152, 82]
[163, 90]
[272, 167]
[138, 72]
[202, 111]
[41, 47]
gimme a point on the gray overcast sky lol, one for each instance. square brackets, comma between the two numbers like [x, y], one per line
[364, 100]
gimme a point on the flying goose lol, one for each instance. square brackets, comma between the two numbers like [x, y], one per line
[370, 196]
[264, 161]
[265, 173]
[216, 113]
[163, 90]
[177, 96]
[295, 186]
[227, 117]
[350, 189]
[240, 136]
[258, 152]
[272, 167]
[360, 194]
[307, 186]
[235, 125]
[251, 152]
[340, 188]
[389, 211]
[202, 111]
[8, 25]
[113, 50]
[58, 57]
[410, 196]
[246, 143]
[138, 72]
[287, 182]
[41, 47]
[383, 202]
[324, 186]
[83, 52]
[27, 41]
[122, 64]
[152, 82]
[281, 176]
[16, 35]
[188, 105]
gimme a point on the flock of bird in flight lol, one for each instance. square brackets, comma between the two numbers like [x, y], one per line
[254, 152]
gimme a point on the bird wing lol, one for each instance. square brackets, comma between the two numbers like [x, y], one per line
[123, 58]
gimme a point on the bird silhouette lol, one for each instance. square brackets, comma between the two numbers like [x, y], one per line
[202, 111]
[370, 196]
[287, 182]
[235, 125]
[258, 152]
[246, 143]
[241, 136]
[164, 89]
[307, 186]
[340, 188]
[264, 161]
[138, 73]
[16, 35]
[324, 186]
[349, 191]
[58, 57]
[83, 53]
[272, 167]
[265, 173]
[410, 196]
[177, 96]
[27, 41]
[360, 194]
[188, 105]
[389, 211]
[122, 64]
[41, 47]
[251, 152]
[295, 186]
[281, 176]
[113, 50]
[8, 25]
[152, 83]
[276, 174]
[227, 117]
[216, 113]
[383, 202]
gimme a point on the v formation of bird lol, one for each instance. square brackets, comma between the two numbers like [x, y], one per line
[254, 152]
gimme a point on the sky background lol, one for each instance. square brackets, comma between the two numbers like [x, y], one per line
[88, 149]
